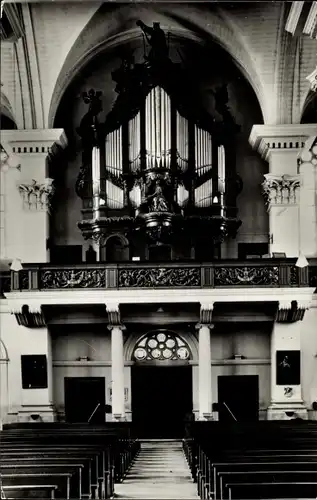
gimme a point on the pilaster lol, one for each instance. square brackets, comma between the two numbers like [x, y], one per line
[307, 166]
[286, 388]
[280, 146]
[28, 403]
[28, 201]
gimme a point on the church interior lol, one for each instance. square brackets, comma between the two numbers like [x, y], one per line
[158, 250]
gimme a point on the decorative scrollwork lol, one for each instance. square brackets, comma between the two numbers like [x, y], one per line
[90, 278]
[294, 276]
[246, 276]
[24, 280]
[157, 277]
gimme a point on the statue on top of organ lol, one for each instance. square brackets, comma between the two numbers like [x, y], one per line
[162, 169]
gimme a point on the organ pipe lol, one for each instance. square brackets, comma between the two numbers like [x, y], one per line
[114, 152]
[158, 128]
[96, 171]
[134, 132]
[115, 195]
[221, 169]
[203, 194]
[182, 140]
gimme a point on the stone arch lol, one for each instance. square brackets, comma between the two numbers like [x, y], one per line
[134, 340]
[218, 30]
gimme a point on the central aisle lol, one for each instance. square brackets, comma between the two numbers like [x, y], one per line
[159, 471]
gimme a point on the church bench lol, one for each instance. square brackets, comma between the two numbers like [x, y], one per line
[120, 451]
[103, 474]
[263, 490]
[247, 467]
[259, 476]
[85, 472]
[43, 491]
[100, 470]
[75, 469]
[62, 480]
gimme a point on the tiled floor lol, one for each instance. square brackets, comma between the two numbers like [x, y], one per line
[159, 472]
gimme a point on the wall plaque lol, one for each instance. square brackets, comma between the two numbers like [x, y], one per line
[287, 368]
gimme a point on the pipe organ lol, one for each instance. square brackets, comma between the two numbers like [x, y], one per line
[159, 163]
[150, 141]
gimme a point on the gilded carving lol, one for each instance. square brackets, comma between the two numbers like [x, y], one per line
[254, 276]
[90, 278]
[157, 277]
[281, 189]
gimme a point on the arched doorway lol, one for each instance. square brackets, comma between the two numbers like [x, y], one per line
[161, 381]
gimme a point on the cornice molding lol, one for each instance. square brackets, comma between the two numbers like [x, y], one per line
[113, 297]
[29, 316]
[33, 141]
[289, 137]
[290, 311]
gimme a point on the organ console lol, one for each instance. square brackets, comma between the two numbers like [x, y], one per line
[162, 168]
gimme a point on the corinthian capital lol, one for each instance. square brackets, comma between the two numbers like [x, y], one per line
[281, 189]
[37, 196]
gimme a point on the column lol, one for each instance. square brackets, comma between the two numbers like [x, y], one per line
[280, 146]
[286, 390]
[117, 364]
[204, 363]
[33, 149]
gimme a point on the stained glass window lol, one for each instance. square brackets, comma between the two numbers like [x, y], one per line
[161, 345]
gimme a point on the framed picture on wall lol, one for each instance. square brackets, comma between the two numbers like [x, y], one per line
[287, 367]
[34, 371]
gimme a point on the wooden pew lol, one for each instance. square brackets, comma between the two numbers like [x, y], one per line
[228, 477]
[248, 466]
[289, 489]
[25, 491]
[62, 480]
[74, 469]
[112, 455]
[262, 445]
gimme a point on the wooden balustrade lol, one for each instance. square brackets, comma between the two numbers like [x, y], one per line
[269, 273]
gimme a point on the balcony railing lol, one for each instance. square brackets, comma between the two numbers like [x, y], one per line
[219, 274]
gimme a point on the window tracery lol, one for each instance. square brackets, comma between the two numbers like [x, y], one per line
[161, 345]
